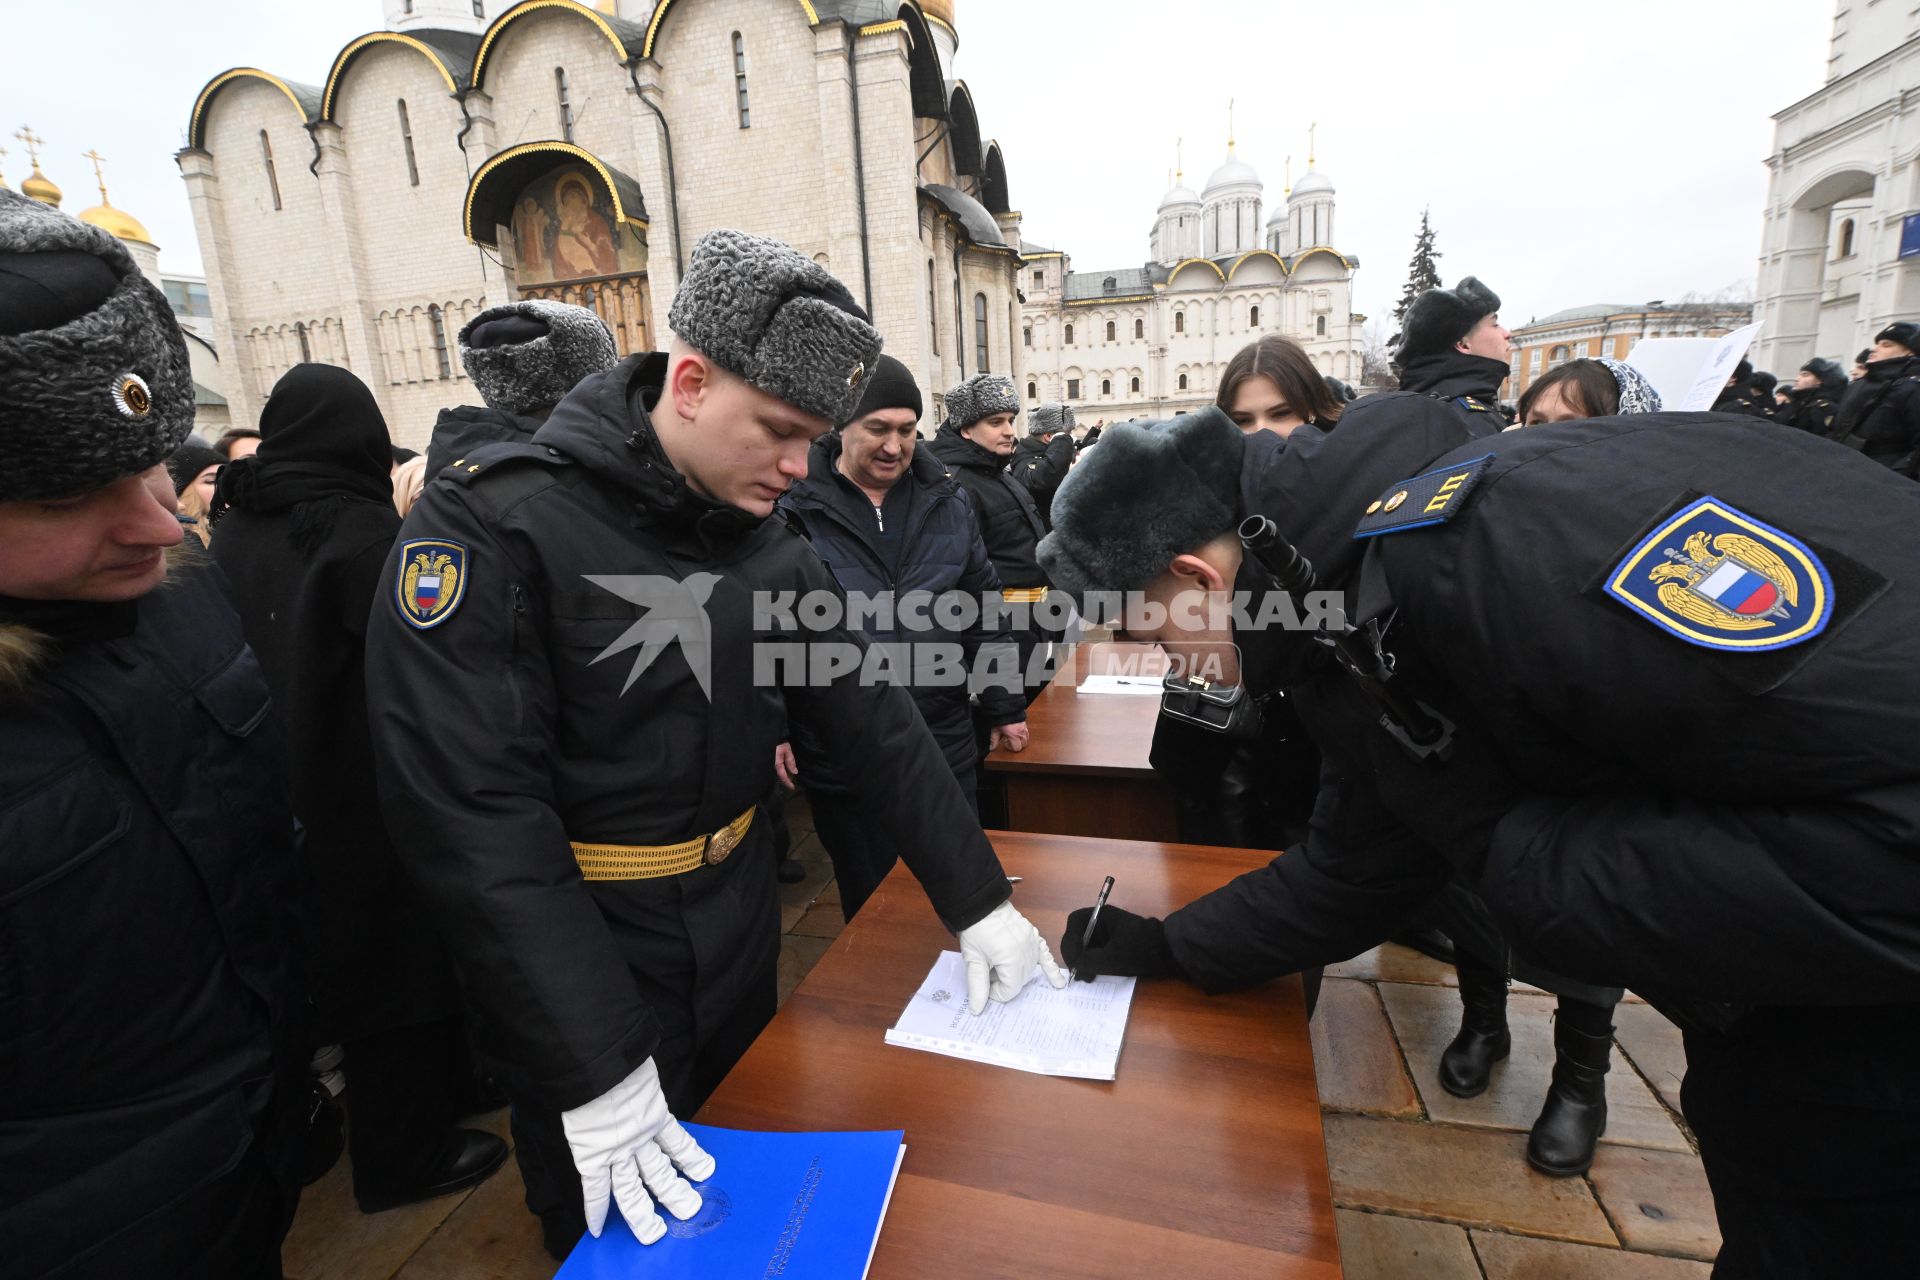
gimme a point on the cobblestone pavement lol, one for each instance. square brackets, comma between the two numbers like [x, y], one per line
[1428, 1186]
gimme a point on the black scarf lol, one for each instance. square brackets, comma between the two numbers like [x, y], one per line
[323, 445]
[71, 623]
[670, 505]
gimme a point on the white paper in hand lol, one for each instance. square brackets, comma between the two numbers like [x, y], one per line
[1076, 1031]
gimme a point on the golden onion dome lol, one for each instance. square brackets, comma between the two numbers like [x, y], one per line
[117, 223]
[39, 186]
[941, 9]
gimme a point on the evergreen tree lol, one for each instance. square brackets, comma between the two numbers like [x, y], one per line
[1422, 274]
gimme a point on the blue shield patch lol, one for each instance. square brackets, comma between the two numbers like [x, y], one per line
[431, 581]
[1718, 578]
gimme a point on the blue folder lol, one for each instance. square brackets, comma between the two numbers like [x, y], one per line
[802, 1206]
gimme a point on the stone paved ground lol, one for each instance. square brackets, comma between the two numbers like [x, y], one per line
[1429, 1187]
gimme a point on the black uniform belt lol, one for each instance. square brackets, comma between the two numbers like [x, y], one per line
[652, 861]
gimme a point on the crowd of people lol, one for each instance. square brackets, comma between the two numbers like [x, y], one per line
[449, 775]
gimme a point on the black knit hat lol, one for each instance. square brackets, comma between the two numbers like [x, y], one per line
[1904, 332]
[188, 461]
[1439, 318]
[1150, 492]
[94, 379]
[889, 386]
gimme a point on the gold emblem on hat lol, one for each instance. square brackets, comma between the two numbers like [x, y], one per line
[131, 397]
[859, 372]
[720, 844]
[1393, 503]
[1373, 506]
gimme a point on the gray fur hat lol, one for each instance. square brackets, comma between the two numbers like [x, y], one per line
[524, 357]
[1050, 417]
[94, 379]
[981, 396]
[762, 310]
[1150, 492]
[1439, 318]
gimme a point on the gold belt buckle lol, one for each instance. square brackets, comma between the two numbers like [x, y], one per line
[721, 843]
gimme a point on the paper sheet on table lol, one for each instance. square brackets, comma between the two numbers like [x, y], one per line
[1690, 373]
[1147, 686]
[1075, 1031]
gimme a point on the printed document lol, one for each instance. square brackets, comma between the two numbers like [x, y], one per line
[1075, 1031]
[1143, 686]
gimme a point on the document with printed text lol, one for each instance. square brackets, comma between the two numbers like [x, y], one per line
[1076, 1031]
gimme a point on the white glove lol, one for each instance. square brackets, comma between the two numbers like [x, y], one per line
[1004, 946]
[627, 1136]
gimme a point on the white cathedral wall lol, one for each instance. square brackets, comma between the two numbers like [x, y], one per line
[519, 77]
[277, 270]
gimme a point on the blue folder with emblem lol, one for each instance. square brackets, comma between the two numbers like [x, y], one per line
[805, 1206]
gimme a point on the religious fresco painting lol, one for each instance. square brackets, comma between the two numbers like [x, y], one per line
[564, 228]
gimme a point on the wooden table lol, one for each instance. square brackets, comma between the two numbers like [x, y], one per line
[1203, 1159]
[1085, 770]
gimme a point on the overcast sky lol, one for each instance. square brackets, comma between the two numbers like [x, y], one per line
[1569, 154]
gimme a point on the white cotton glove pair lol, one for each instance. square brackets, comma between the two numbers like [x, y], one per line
[1003, 947]
[626, 1137]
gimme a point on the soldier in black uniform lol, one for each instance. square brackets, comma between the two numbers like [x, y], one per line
[1453, 348]
[1880, 413]
[1044, 455]
[153, 1091]
[1677, 702]
[1814, 401]
[573, 735]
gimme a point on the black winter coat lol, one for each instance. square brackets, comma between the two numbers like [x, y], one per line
[376, 957]
[1810, 409]
[1743, 401]
[1009, 523]
[148, 978]
[464, 429]
[1880, 414]
[1707, 824]
[529, 713]
[941, 552]
[1040, 466]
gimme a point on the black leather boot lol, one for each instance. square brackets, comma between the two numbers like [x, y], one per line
[1575, 1114]
[1466, 1063]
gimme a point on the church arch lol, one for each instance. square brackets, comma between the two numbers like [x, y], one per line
[926, 83]
[1266, 255]
[965, 134]
[445, 62]
[305, 99]
[496, 183]
[993, 182]
[1219, 276]
[625, 38]
[1302, 260]
[652, 37]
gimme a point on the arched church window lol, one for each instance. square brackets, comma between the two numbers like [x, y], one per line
[1133, 385]
[1320, 326]
[1139, 327]
[306, 347]
[566, 103]
[1069, 335]
[980, 332]
[1179, 322]
[1026, 335]
[406, 145]
[1846, 239]
[273, 179]
[1033, 390]
[1073, 388]
[1106, 386]
[740, 77]
[1183, 382]
[1253, 316]
[437, 324]
[1109, 331]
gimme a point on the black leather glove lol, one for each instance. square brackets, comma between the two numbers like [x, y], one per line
[1124, 945]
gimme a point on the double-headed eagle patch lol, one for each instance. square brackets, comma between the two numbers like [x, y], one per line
[1718, 578]
[432, 578]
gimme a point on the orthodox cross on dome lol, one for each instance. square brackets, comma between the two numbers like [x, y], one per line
[1229, 126]
[1310, 147]
[98, 176]
[33, 142]
[1289, 187]
[1179, 159]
